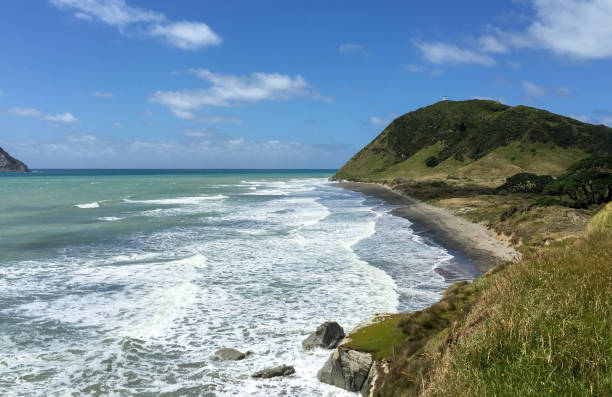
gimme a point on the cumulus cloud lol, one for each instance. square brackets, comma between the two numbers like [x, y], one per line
[187, 35]
[99, 94]
[533, 90]
[350, 48]
[230, 90]
[579, 29]
[374, 120]
[443, 53]
[195, 148]
[581, 117]
[37, 114]
[184, 35]
[492, 44]
[111, 12]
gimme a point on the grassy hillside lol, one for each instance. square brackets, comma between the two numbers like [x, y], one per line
[476, 141]
[541, 326]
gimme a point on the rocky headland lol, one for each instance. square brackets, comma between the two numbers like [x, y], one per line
[11, 164]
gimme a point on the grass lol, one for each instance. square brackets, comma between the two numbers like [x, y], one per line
[544, 325]
[531, 225]
[380, 338]
[476, 141]
[541, 326]
[491, 170]
[602, 220]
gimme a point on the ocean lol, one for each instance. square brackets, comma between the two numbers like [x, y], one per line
[125, 282]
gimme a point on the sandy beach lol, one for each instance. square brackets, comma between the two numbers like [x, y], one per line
[478, 243]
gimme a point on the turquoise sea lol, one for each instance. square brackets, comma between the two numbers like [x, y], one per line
[125, 282]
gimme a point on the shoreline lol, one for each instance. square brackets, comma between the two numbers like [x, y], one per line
[478, 244]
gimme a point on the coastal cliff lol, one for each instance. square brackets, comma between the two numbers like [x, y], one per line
[11, 164]
[536, 183]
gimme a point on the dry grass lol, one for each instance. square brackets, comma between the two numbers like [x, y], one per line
[542, 326]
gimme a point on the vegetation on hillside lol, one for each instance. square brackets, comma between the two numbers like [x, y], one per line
[538, 326]
[541, 326]
[466, 139]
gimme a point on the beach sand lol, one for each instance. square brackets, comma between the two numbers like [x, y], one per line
[478, 243]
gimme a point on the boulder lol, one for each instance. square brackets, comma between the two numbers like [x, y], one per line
[281, 370]
[230, 354]
[327, 336]
[347, 369]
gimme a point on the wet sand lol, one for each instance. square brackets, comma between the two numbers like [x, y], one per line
[474, 240]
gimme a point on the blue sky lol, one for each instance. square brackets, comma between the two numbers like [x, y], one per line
[277, 84]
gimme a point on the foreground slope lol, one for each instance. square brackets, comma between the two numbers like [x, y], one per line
[475, 141]
[11, 164]
[540, 326]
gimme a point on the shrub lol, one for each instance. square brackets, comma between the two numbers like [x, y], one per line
[525, 182]
[432, 161]
[586, 182]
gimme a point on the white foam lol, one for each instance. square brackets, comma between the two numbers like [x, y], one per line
[109, 218]
[258, 275]
[179, 200]
[266, 192]
[95, 204]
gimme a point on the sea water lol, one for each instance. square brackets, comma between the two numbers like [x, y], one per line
[126, 282]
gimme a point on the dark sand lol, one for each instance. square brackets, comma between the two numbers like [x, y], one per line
[477, 243]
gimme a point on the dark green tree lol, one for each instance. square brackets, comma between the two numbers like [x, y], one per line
[589, 181]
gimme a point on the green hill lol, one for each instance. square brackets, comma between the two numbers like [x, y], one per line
[476, 141]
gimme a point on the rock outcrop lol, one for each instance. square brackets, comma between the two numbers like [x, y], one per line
[231, 354]
[349, 370]
[327, 336]
[281, 370]
[11, 164]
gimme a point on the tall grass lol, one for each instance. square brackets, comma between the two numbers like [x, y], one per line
[542, 326]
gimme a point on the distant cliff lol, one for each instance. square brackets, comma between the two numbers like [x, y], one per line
[11, 164]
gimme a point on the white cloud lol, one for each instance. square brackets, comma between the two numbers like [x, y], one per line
[437, 72]
[492, 44]
[413, 68]
[1, 93]
[581, 117]
[563, 91]
[349, 48]
[199, 148]
[187, 35]
[184, 35]
[37, 114]
[198, 132]
[117, 124]
[533, 90]
[99, 94]
[580, 29]
[231, 90]
[374, 120]
[442, 53]
[607, 121]
[111, 12]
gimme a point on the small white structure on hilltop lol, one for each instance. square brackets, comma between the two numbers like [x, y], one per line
[444, 98]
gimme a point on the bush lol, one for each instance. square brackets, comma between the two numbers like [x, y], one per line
[588, 181]
[525, 182]
[432, 161]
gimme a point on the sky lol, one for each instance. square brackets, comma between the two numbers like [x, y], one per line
[276, 83]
